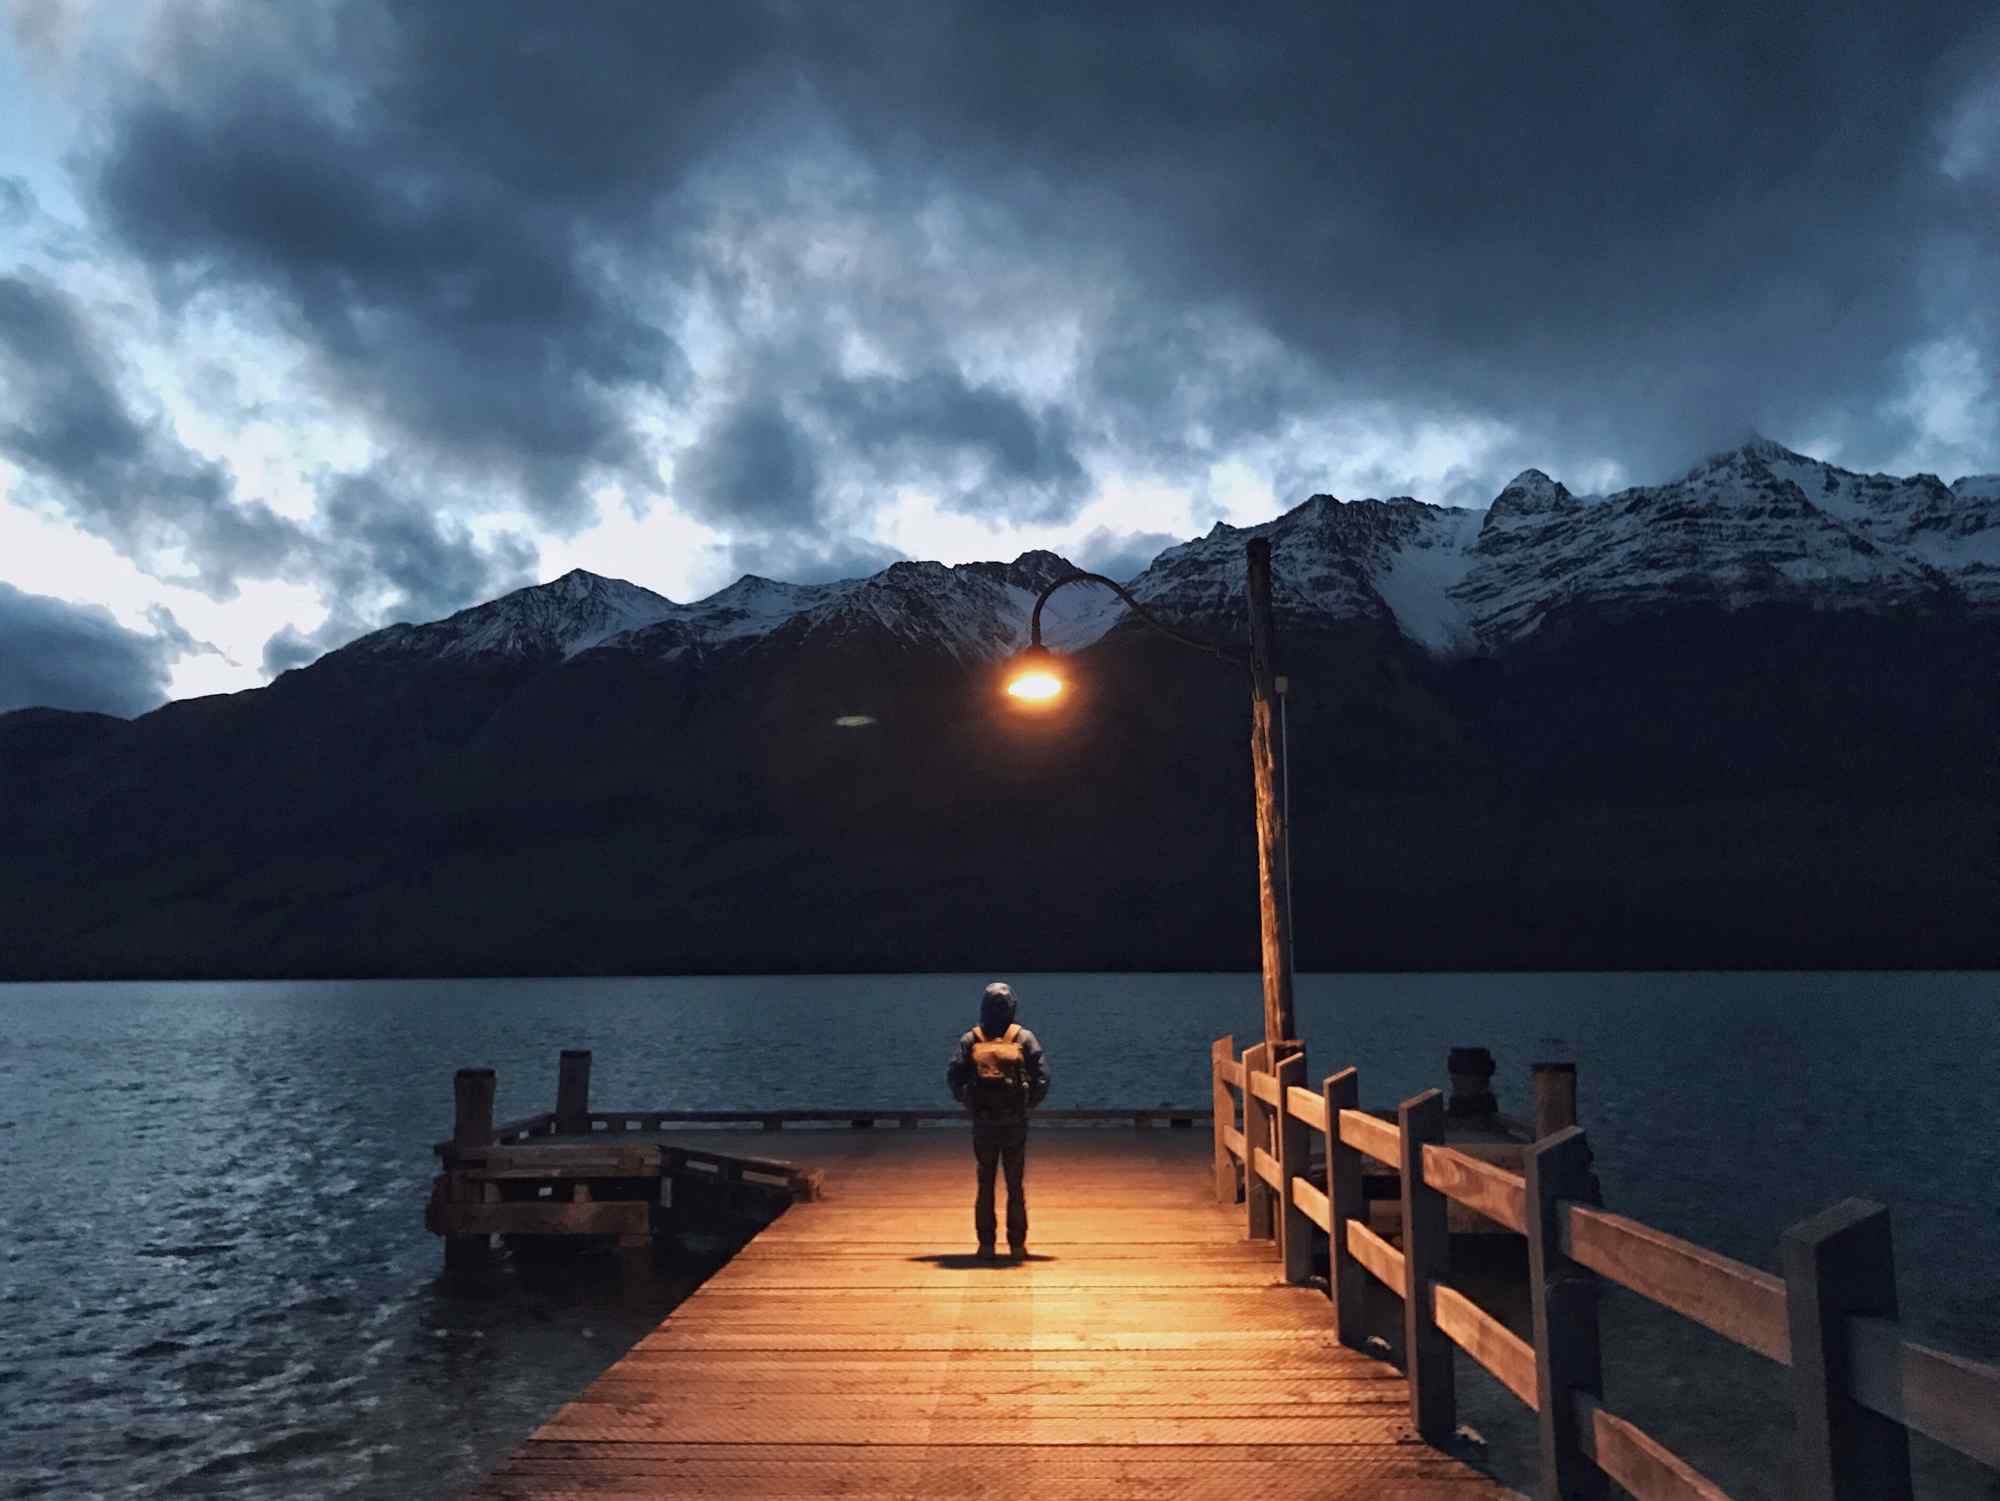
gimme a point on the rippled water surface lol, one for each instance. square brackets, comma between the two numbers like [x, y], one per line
[215, 1276]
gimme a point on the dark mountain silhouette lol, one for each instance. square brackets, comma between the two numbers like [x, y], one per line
[1747, 719]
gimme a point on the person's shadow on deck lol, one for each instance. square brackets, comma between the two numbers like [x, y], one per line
[972, 1260]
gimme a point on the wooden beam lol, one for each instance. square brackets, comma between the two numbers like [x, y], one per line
[1382, 1260]
[1259, 1211]
[1479, 1185]
[552, 1217]
[1375, 1137]
[1312, 1203]
[1306, 1106]
[1267, 1169]
[1554, 1087]
[573, 1091]
[1294, 1159]
[1426, 1261]
[1736, 1301]
[1499, 1349]
[1265, 1087]
[1840, 1264]
[1346, 1206]
[1564, 1298]
[1947, 1397]
[1274, 896]
[1635, 1459]
[1223, 1114]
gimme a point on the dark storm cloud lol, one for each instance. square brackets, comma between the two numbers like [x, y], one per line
[1623, 232]
[807, 560]
[752, 467]
[129, 480]
[58, 655]
[436, 206]
[1120, 555]
[122, 477]
[1015, 462]
[377, 539]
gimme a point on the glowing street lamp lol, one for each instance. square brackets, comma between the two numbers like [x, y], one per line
[1034, 679]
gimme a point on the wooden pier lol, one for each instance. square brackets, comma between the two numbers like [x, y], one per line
[1190, 1322]
[857, 1348]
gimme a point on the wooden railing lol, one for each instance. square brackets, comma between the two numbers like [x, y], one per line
[1857, 1385]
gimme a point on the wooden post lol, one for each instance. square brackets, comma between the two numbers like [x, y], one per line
[573, 1092]
[1349, 1278]
[1426, 1262]
[471, 1126]
[1564, 1297]
[1555, 1097]
[1836, 1264]
[472, 1108]
[1223, 1050]
[1259, 1221]
[1274, 899]
[1295, 1231]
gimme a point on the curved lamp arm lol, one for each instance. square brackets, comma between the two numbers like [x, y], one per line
[1035, 620]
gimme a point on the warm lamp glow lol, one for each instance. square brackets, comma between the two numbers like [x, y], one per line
[1035, 686]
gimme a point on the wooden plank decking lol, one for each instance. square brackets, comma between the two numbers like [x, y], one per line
[856, 1348]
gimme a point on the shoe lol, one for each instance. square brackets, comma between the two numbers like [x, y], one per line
[1016, 1251]
[986, 1250]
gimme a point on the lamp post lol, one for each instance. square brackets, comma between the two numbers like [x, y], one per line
[1036, 678]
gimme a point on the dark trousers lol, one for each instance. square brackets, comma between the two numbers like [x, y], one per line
[995, 1144]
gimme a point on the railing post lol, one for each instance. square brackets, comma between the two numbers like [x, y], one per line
[1564, 1296]
[1555, 1097]
[1294, 1158]
[1840, 1263]
[1259, 1220]
[1426, 1262]
[573, 1092]
[1223, 1103]
[1349, 1278]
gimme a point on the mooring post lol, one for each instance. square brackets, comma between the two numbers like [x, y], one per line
[1426, 1262]
[1223, 1104]
[573, 1093]
[1840, 1263]
[1346, 1205]
[1294, 1158]
[1564, 1298]
[1555, 1097]
[471, 1127]
[1259, 1220]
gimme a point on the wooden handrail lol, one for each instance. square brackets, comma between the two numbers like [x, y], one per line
[1378, 1139]
[1306, 1105]
[1946, 1397]
[1736, 1301]
[1637, 1460]
[1478, 1185]
[1375, 1253]
[1510, 1358]
[1949, 1398]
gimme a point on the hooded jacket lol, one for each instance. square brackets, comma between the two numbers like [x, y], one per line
[996, 1013]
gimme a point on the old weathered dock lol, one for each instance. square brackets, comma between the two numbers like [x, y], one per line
[856, 1348]
[1154, 1344]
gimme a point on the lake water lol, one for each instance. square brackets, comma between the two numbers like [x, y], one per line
[214, 1277]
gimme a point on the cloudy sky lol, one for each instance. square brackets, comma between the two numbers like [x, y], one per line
[315, 316]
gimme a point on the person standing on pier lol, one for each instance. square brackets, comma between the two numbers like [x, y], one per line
[999, 1073]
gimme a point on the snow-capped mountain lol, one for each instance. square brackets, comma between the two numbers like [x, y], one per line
[1758, 524]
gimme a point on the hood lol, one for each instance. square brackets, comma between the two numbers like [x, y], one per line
[996, 1009]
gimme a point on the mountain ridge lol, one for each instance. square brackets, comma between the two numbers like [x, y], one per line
[1754, 524]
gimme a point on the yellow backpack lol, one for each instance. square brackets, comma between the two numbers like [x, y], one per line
[999, 1075]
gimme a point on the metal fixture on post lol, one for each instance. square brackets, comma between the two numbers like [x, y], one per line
[1035, 680]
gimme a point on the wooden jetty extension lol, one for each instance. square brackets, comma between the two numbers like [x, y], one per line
[1187, 1325]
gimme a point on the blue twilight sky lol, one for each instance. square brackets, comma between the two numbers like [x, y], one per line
[319, 315]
